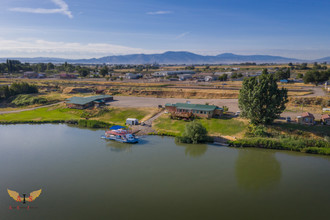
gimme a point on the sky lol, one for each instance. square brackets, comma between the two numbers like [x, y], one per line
[86, 29]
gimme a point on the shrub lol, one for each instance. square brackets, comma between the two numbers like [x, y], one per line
[23, 100]
[257, 131]
[194, 133]
[93, 124]
[16, 89]
[293, 144]
[316, 150]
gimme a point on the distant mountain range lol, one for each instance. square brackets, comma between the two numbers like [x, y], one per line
[171, 57]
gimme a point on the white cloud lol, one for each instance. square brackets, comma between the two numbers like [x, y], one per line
[39, 47]
[182, 35]
[63, 9]
[159, 12]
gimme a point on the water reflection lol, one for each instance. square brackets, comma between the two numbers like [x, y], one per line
[119, 147]
[257, 170]
[123, 147]
[194, 150]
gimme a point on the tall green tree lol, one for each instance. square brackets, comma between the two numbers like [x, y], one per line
[260, 99]
[104, 71]
[83, 72]
[316, 77]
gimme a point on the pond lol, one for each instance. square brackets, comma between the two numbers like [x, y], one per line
[85, 177]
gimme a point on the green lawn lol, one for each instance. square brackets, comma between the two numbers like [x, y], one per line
[119, 115]
[214, 126]
[42, 114]
[115, 116]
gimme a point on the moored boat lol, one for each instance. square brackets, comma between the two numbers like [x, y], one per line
[120, 134]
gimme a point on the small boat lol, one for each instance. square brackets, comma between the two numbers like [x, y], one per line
[120, 134]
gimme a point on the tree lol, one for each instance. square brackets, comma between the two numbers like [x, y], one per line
[265, 71]
[223, 77]
[194, 133]
[260, 100]
[281, 74]
[104, 71]
[83, 72]
[316, 77]
[50, 66]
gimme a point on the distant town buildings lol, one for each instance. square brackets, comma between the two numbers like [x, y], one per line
[132, 76]
[172, 73]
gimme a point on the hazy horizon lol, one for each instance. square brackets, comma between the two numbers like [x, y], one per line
[75, 29]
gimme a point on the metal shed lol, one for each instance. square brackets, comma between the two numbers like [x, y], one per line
[132, 121]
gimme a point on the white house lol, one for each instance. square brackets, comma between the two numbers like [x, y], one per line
[185, 77]
[132, 76]
[173, 73]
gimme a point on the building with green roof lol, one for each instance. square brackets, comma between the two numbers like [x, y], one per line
[187, 110]
[89, 101]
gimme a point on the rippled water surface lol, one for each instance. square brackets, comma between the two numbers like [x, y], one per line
[85, 177]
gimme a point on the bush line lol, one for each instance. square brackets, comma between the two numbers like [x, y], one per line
[300, 145]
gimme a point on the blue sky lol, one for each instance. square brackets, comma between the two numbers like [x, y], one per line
[84, 29]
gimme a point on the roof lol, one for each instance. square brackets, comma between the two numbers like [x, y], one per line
[131, 119]
[325, 117]
[307, 114]
[194, 106]
[116, 127]
[86, 100]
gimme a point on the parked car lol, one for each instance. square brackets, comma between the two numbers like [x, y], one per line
[288, 119]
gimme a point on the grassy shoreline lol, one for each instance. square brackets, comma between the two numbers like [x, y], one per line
[299, 145]
[283, 136]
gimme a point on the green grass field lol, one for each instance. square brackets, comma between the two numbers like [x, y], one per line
[42, 114]
[214, 126]
[119, 115]
[56, 113]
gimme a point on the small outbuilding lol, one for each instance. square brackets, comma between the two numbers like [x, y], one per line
[325, 119]
[306, 118]
[132, 121]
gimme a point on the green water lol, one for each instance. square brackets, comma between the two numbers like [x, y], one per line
[85, 177]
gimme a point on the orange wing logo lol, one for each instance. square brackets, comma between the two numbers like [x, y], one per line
[24, 199]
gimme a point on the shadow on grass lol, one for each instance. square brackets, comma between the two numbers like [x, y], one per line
[318, 130]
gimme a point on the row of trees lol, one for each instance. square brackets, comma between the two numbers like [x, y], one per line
[16, 89]
[15, 66]
[316, 77]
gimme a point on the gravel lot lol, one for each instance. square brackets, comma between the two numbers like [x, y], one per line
[232, 104]
[131, 101]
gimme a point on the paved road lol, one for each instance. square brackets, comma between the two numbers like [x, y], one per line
[317, 91]
[29, 109]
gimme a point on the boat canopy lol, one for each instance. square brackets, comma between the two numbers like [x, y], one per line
[116, 127]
